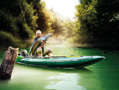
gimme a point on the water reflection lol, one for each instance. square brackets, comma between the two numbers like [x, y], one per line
[65, 81]
[56, 78]
[44, 78]
[56, 69]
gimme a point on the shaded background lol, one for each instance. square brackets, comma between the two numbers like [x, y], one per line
[95, 23]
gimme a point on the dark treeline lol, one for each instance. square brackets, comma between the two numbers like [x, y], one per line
[98, 22]
[19, 20]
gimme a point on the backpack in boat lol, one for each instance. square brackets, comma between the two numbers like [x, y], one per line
[24, 53]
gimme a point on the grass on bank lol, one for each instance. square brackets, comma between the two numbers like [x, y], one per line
[7, 39]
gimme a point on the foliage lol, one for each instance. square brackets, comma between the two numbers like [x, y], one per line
[42, 20]
[107, 23]
[86, 22]
[97, 21]
[56, 22]
[8, 23]
[7, 39]
[19, 18]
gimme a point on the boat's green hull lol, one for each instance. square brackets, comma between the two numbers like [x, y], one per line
[60, 61]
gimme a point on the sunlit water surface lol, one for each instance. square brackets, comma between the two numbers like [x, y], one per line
[103, 75]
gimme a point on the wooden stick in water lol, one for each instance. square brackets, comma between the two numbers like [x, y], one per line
[7, 65]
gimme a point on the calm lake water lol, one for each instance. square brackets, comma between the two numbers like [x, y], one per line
[103, 75]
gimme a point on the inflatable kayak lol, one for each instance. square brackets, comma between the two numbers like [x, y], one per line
[60, 61]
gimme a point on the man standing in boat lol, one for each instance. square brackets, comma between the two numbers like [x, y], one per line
[37, 48]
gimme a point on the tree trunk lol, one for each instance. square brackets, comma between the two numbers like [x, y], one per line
[8, 63]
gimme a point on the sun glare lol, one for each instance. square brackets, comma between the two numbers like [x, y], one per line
[64, 7]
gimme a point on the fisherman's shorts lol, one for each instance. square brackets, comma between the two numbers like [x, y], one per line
[46, 52]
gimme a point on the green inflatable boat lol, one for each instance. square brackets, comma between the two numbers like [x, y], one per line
[60, 61]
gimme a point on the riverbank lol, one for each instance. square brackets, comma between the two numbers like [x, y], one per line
[58, 42]
[112, 47]
[99, 46]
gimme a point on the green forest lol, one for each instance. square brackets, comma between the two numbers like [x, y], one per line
[96, 24]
